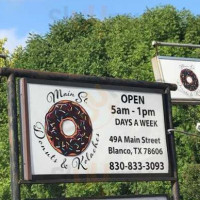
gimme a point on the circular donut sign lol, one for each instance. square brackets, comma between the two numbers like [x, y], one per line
[184, 72]
[88, 130]
[68, 128]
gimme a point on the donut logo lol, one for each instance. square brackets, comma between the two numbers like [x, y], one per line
[68, 128]
[189, 79]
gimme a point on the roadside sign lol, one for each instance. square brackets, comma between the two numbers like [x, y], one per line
[85, 131]
[184, 72]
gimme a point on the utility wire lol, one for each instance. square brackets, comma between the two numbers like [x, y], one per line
[182, 132]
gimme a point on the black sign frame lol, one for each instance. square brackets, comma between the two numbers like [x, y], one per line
[93, 177]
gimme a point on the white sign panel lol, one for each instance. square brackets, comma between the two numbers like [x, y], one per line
[184, 72]
[93, 130]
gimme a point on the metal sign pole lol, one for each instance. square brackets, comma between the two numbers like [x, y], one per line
[175, 184]
[13, 138]
[156, 43]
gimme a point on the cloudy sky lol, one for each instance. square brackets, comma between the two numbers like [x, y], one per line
[20, 17]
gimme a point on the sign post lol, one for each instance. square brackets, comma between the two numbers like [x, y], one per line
[185, 73]
[13, 138]
[89, 129]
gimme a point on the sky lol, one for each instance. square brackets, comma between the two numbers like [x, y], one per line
[18, 18]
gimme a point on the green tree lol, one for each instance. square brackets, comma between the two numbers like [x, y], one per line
[115, 47]
[4, 144]
[3, 51]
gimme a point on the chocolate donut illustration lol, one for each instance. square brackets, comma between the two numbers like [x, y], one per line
[76, 143]
[189, 79]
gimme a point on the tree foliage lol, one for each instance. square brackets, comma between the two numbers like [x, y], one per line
[4, 144]
[3, 51]
[115, 47]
